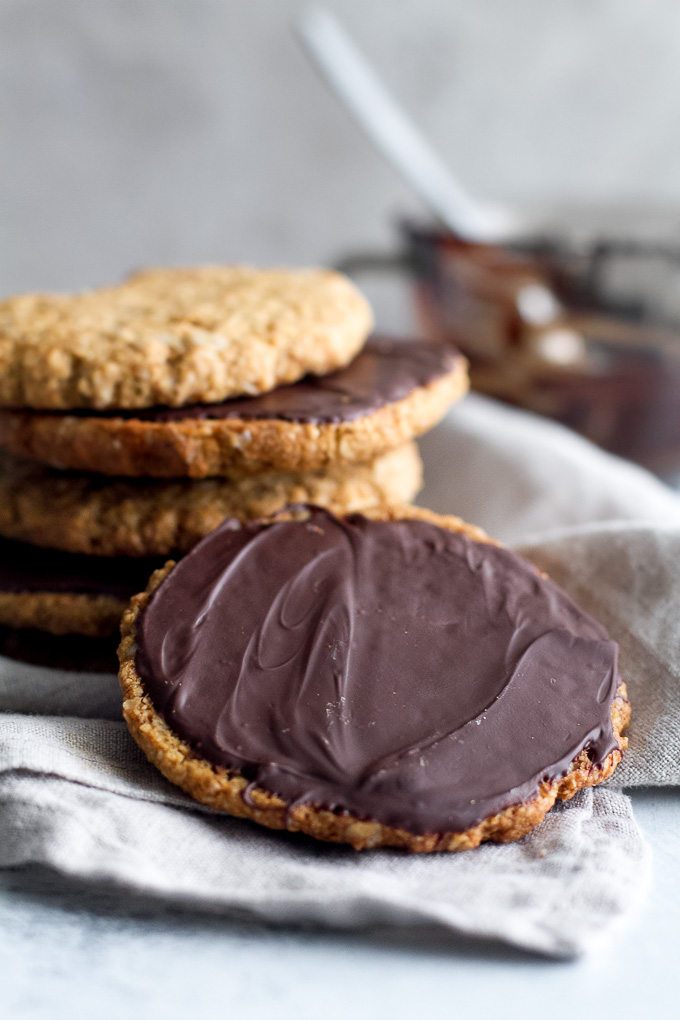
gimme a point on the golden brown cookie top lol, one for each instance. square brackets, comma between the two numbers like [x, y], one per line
[178, 336]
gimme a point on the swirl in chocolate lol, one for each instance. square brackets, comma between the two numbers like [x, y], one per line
[393, 670]
[385, 371]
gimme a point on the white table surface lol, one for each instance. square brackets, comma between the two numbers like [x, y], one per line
[69, 953]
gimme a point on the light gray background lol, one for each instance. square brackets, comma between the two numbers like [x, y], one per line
[152, 131]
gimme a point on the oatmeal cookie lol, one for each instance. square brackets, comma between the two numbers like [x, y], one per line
[389, 679]
[94, 514]
[61, 613]
[392, 392]
[177, 336]
[63, 593]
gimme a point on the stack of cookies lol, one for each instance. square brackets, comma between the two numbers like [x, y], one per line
[135, 419]
[383, 678]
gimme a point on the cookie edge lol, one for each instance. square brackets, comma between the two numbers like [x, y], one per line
[137, 521]
[62, 613]
[226, 447]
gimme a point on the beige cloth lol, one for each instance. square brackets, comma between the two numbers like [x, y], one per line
[77, 796]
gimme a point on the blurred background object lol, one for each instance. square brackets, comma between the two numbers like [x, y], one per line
[178, 131]
[571, 312]
[590, 338]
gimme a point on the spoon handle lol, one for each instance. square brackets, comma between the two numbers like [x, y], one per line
[393, 132]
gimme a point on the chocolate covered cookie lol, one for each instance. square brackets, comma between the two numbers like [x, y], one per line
[392, 391]
[177, 336]
[63, 593]
[387, 679]
[73, 652]
[95, 514]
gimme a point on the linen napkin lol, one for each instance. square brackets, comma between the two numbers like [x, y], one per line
[77, 796]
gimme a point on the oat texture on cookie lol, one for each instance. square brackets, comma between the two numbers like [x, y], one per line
[210, 443]
[176, 336]
[102, 516]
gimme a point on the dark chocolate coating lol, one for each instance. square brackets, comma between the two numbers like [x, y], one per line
[27, 568]
[393, 670]
[384, 372]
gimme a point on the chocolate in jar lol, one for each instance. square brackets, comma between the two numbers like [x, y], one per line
[590, 338]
